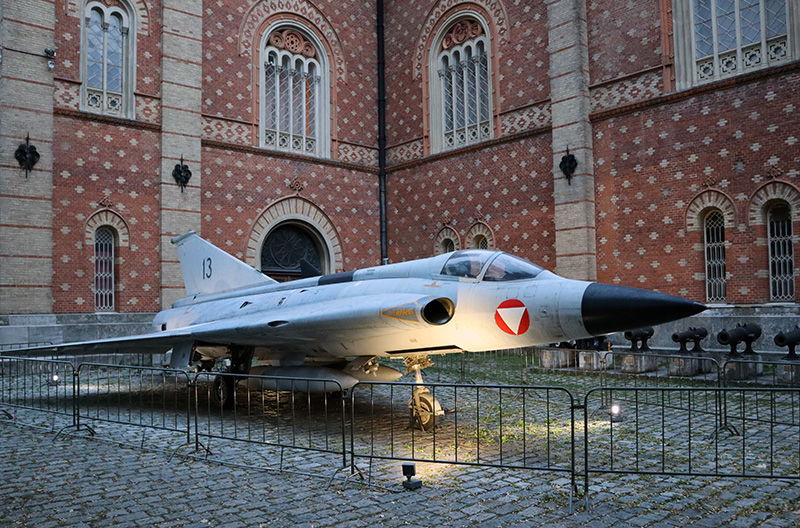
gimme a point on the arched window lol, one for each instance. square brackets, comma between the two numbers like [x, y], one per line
[715, 39]
[714, 242]
[107, 67]
[291, 251]
[781, 253]
[461, 101]
[294, 98]
[104, 270]
[447, 245]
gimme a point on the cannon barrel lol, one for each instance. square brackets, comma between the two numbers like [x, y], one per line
[639, 333]
[742, 333]
[789, 339]
[686, 335]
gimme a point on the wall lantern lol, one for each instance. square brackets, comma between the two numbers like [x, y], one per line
[182, 174]
[26, 155]
[568, 165]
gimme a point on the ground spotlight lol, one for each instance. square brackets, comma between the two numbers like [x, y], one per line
[53, 381]
[615, 412]
[409, 470]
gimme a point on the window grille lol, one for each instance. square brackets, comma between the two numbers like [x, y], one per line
[781, 254]
[736, 36]
[105, 55]
[463, 101]
[292, 95]
[716, 282]
[448, 245]
[104, 270]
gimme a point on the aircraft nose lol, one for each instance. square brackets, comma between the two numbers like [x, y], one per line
[607, 308]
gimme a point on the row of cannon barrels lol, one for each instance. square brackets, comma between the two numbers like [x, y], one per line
[746, 333]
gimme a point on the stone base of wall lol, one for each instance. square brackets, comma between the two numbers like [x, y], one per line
[19, 331]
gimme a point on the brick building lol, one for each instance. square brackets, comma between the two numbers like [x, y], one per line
[683, 118]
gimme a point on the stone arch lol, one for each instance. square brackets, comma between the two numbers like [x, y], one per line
[265, 12]
[769, 193]
[709, 199]
[479, 229]
[300, 210]
[107, 217]
[138, 8]
[444, 234]
[492, 11]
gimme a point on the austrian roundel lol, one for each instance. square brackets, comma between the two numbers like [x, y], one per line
[512, 317]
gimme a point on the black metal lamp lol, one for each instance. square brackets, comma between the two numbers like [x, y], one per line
[26, 155]
[568, 165]
[182, 174]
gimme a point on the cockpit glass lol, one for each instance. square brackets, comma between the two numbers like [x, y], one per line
[466, 263]
[508, 268]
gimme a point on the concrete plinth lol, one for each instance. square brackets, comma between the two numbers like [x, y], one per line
[593, 360]
[639, 363]
[789, 374]
[683, 366]
[743, 370]
[557, 358]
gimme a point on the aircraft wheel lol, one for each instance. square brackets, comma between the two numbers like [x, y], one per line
[223, 391]
[426, 415]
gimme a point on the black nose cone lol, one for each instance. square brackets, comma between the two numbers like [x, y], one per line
[607, 308]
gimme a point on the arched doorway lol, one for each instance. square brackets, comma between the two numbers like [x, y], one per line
[292, 250]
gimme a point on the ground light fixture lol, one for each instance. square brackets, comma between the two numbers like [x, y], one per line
[615, 413]
[409, 470]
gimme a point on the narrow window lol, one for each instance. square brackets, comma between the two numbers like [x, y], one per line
[461, 101]
[781, 253]
[104, 270]
[293, 92]
[106, 87]
[716, 284]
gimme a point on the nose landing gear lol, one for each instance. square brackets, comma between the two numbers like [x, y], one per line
[425, 409]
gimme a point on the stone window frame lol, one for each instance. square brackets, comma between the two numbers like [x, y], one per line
[437, 140]
[714, 251]
[447, 240]
[321, 62]
[691, 71]
[128, 28]
[104, 276]
[782, 286]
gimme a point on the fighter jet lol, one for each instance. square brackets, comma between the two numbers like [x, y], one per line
[338, 326]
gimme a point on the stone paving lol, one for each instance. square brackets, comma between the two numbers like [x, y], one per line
[79, 481]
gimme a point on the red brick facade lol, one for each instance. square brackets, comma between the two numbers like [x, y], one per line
[659, 159]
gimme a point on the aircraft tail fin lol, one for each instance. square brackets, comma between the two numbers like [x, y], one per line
[208, 269]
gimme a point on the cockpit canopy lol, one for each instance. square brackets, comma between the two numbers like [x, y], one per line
[489, 266]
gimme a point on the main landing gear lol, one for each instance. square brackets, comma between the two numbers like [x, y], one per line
[425, 409]
[223, 389]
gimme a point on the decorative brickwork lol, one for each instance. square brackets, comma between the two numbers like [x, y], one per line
[532, 117]
[710, 199]
[261, 10]
[73, 7]
[358, 154]
[107, 217]
[627, 91]
[445, 235]
[495, 8]
[769, 192]
[479, 231]
[296, 209]
[227, 131]
[67, 95]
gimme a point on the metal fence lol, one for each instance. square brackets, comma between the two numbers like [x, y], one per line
[746, 432]
[688, 426]
[507, 426]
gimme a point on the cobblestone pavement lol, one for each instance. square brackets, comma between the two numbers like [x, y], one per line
[78, 481]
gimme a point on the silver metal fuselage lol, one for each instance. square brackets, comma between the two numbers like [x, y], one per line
[381, 311]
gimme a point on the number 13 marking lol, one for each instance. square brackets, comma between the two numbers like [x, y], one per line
[207, 270]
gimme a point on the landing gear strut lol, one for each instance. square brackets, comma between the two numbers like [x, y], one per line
[223, 390]
[424, 407]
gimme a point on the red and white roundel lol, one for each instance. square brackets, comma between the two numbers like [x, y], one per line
[512, 317]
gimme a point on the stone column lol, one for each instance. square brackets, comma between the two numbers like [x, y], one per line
[26, 107]
[576, 255]
[181, 126]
